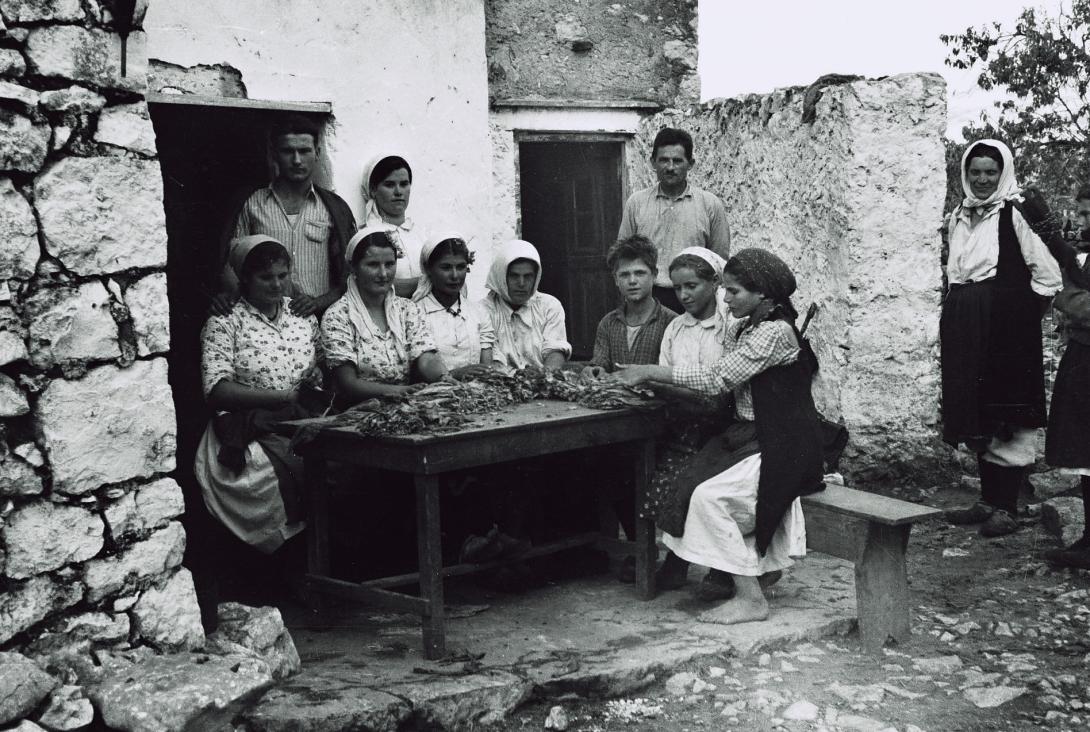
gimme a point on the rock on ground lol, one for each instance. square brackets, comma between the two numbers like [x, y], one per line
[681, 683]
[1052, 483]
[802, 710]
[1063, 517]
[68, 709]
[22, 686]
[987, 697]
[43, 536]
[319, 703]
[258, 630]
[168, 617]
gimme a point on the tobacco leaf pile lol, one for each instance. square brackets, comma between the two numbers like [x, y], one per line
[448, 405]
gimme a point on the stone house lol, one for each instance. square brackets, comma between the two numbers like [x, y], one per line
[529, 119]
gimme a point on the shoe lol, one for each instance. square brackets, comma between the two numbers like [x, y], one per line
[768, 579]
[672, 575]
[478, 549]
[626, 572]
[979, 512]
[1000, 523]
[1076, 555]
[715, 586]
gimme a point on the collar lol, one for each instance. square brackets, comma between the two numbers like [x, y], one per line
[964, 214]
[688, 321]
[431, 304]
[656, 314]
[270, 191]
[687, 193]
[253, 311]
[510, 312]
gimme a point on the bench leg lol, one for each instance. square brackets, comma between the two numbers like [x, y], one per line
[314, 471]
[645, 528]
[431, 565]
[881, 587]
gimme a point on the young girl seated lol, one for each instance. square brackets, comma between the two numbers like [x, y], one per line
[698, 335]
[744, 518]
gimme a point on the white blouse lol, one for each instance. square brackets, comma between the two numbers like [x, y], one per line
[459, 333]
[974, 251]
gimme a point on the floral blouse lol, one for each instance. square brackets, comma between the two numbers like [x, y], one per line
[376, 357]
[249, 349]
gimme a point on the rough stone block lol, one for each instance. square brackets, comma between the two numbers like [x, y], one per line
[74, 99]
[17, 478]
[69, 643]
[36, 11]
[19, 250]
[22, 686]
[10, 92]
[23, 144]
[12, 400]
[261, 631]
[43, 536]
[179, 691]
[24, 604]
[168, 617]
[127, 126]
[71, 324]
[91, 55]
[147, 302]
[12, 62]
[68, 709]
[112, 425]
[1063, 517]
[219, 80]
[102, 215]
[12, 333]
[148, 507]
[288, 708]
[156, 555]
[1052, 483]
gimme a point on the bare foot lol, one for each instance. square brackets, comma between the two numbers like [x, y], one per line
[738, 610]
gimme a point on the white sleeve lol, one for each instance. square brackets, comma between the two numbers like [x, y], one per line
[1044, 271]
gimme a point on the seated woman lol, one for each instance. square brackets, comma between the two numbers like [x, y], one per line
[744, 517]
[254, 361]
[698, 335]
[387, 184]
[461, 329]
[529, 325]
[373, 339]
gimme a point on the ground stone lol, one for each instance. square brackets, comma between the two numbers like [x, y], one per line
[71, 324]
[337, 705]
[987, 697]
[22, 686]
[259, 630]
[151, 506]
[168, 617]
[68, 709]
[74, 99]
[147, 302]
[557, 719]
[44, 536]
[12, 400]
[127, 126]
[88, 54]
[112, 425]
[156, 555]
[855, 723]
[1052, 483]
[937, 664]
[104, 214]
[802, 710]
[681, 683]
[34, 11]
[23, 144]
[465, 702]
[178, 691]
[24, 604]
[1063, 517]
[12, 62]
[18, 231]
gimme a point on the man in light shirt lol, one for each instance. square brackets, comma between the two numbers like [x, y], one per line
[674, 214]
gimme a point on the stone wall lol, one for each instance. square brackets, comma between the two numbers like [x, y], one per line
[90, 544]
[852, 200]
[593, 49]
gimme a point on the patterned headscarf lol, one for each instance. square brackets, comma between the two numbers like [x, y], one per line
[769, 275]
[1006, 190]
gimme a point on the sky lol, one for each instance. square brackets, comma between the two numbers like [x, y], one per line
[755, 46]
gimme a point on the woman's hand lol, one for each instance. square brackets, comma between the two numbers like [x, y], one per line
[631, 375]
[470, 372]
[593, 373]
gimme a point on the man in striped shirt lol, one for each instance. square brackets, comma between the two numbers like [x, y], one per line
[313, 224]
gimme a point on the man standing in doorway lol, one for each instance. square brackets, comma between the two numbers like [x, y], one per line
[314, 224]
[674, 214]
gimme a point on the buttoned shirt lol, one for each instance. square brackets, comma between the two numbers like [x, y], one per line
[750, 351]
[611, 341]
[974, 251]
[696, 218]
[524, 337]
[460, 332]
[248, 348]
[306, 236]
[378, 358]
[691, 341]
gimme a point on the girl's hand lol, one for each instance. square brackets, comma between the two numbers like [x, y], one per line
[630, 375]
[472, 371]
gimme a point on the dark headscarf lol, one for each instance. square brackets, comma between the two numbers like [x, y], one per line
[762, 271]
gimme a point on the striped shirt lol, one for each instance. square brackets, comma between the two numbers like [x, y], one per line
[305, 236]
[749, 352]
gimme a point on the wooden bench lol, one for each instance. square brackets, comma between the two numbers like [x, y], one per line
[871, 531]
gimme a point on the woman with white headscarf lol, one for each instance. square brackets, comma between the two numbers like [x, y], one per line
[387, 185]
[256, 364]
[1001, 276]
[698, 335]
[373, 339]
[462, 330]
[529, 325]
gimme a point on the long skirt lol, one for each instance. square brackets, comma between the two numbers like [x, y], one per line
[721, 522]
[1067, 444]
[250, 503]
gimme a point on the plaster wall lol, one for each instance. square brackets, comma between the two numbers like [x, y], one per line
[853, 203]
[403, 77]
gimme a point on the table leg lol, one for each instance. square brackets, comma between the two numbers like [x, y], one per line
[431, 565]
[314, 472]
[645, 527]
[881, 587]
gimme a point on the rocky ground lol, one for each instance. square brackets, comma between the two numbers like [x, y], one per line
[1000, 641]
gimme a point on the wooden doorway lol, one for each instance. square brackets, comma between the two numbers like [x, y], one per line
[572, 193]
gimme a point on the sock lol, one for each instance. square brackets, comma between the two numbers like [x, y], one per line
[989, 492]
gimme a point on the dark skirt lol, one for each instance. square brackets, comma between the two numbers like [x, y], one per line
[1067, 444]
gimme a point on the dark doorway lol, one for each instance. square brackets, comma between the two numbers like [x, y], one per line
[571, 210]
[210, 155]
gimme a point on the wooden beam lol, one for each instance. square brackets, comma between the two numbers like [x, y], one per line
[869, 506]
[203, 100]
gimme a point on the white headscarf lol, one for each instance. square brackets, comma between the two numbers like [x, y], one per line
[357, 309]
[1006, 190]
[716, 262]
[241, 247]
[423, 284]
[509, 252]
[371, 214]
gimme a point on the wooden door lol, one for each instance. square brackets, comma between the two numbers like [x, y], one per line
[571, 209]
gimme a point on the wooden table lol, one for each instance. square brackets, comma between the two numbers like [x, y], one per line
[518, 432]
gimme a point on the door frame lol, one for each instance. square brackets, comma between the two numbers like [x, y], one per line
[625, 138]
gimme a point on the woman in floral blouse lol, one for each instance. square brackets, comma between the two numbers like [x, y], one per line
[254, 361]
[372, 339]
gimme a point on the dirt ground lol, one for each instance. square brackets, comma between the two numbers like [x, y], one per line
[1000, 641]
